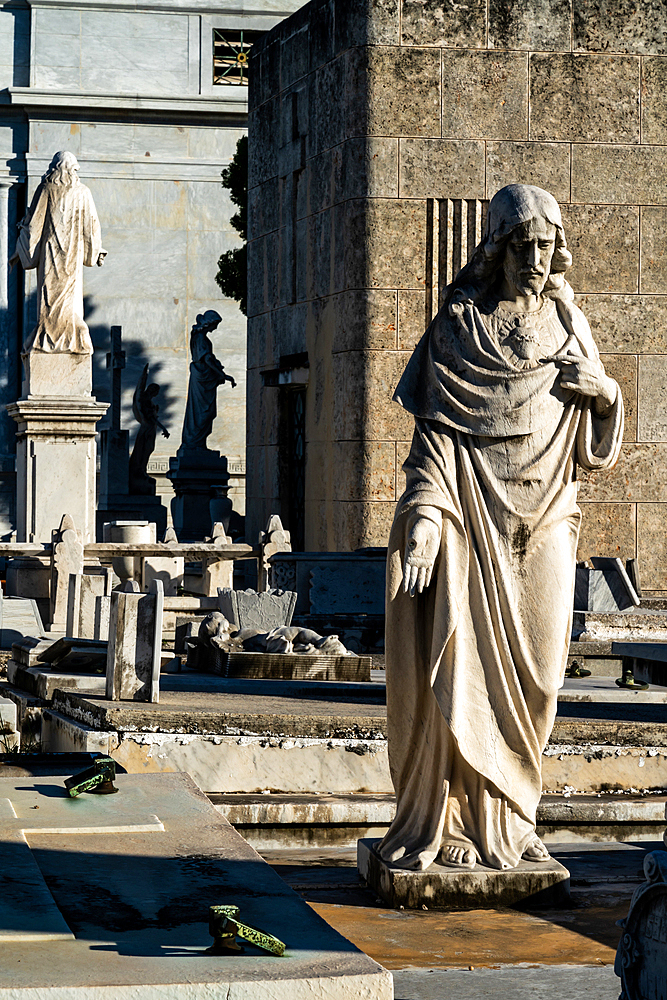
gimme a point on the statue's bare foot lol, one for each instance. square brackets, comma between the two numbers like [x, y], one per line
[457, 857]
[536, 851]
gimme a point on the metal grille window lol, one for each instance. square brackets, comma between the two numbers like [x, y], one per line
[230, 56]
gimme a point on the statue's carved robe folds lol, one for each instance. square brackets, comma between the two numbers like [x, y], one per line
[60, 234]
[474, 663]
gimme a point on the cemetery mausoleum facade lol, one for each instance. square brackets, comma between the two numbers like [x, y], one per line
[378, 132]
[150, 99]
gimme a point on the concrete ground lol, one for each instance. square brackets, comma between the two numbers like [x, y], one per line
[471, 955]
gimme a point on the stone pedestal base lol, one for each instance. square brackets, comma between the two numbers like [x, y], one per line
[29, 576]
[199, 477]
[55, 463]
[441, 888]
[291, 666]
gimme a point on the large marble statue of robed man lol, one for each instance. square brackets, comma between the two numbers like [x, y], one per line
[60, 235]
[509, 396]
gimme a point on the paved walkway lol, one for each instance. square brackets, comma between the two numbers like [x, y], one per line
[553, 982]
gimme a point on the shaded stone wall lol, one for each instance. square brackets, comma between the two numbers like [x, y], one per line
[378, 132]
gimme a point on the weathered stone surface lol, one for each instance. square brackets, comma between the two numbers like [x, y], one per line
[364, 470]
[624, 370]
[640, 959]
[432, 22]
[607, 529]
[641, 475]
[485, 95]
[371, 22]
[589, 97]
[620, 26]
[652, 382]
[532, 24]
[263, 165]
[396, 85]
[443, 888]
[263, 208]
[364, 318]
[363, 523]
[653, 250]
[365, 167]
[249, 609]
[133, 656]
[371, 377]
[632, 324]
[654, 112]
[652, 543]
[441, 168]
[295, 666]
[545, 164]
[411, 318]
[604, 243]
[618, 174]
[385, 243]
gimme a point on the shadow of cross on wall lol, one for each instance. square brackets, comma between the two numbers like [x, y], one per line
[37, 806]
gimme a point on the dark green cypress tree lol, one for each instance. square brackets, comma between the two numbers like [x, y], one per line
[232, 275]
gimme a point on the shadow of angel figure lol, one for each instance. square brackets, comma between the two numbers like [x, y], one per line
[145, 411]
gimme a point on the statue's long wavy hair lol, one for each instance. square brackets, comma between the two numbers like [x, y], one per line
[484, 270]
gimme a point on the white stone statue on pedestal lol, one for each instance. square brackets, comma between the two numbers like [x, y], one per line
[59, 236]
[509, 396]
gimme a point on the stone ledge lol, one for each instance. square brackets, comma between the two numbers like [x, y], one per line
[439, 888]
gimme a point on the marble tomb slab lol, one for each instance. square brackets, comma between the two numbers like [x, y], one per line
[107, 897]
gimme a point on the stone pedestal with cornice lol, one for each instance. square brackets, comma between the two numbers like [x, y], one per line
[56, 456]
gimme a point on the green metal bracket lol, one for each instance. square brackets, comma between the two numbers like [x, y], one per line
[224, 926]
[97, 779]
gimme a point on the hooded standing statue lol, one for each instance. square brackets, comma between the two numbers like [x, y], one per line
[508, 395]
[58, 236]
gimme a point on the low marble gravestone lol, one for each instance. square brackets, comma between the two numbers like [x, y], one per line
[641, 959]
[89, 605]
[135, 643]
[249, 609]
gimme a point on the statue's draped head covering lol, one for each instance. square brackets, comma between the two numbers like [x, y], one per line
[63, 169]
[510, 208]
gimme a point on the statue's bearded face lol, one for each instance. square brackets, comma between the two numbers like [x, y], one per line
[528, 254]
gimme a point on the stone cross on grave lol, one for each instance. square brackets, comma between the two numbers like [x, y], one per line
[33, 812]
[116, 362]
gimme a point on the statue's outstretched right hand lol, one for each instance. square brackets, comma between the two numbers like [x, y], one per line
[420, 555]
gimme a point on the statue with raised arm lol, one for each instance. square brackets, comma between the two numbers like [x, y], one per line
[60, 235]
[206, 374]
[509, 396]
[145, 411]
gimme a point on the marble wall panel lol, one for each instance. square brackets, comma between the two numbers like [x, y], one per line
[484, 95]
[607, 529]
[14, 47]
[441, 168]
[402, 92]
[370, 378]
[546, 164]
[361, 522]
[364, 470]
[365, 167]
[652, 398]
[432, 22]
[639, 476]
[654, 109]
[628, 324]
[653, 250]
[374, 22]
[623, 368]
[618, 174]
[619, 26]
[365, 319]
[604, 242]
[589, 97]
[411, 318]
[542, 25]
[652, 545]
